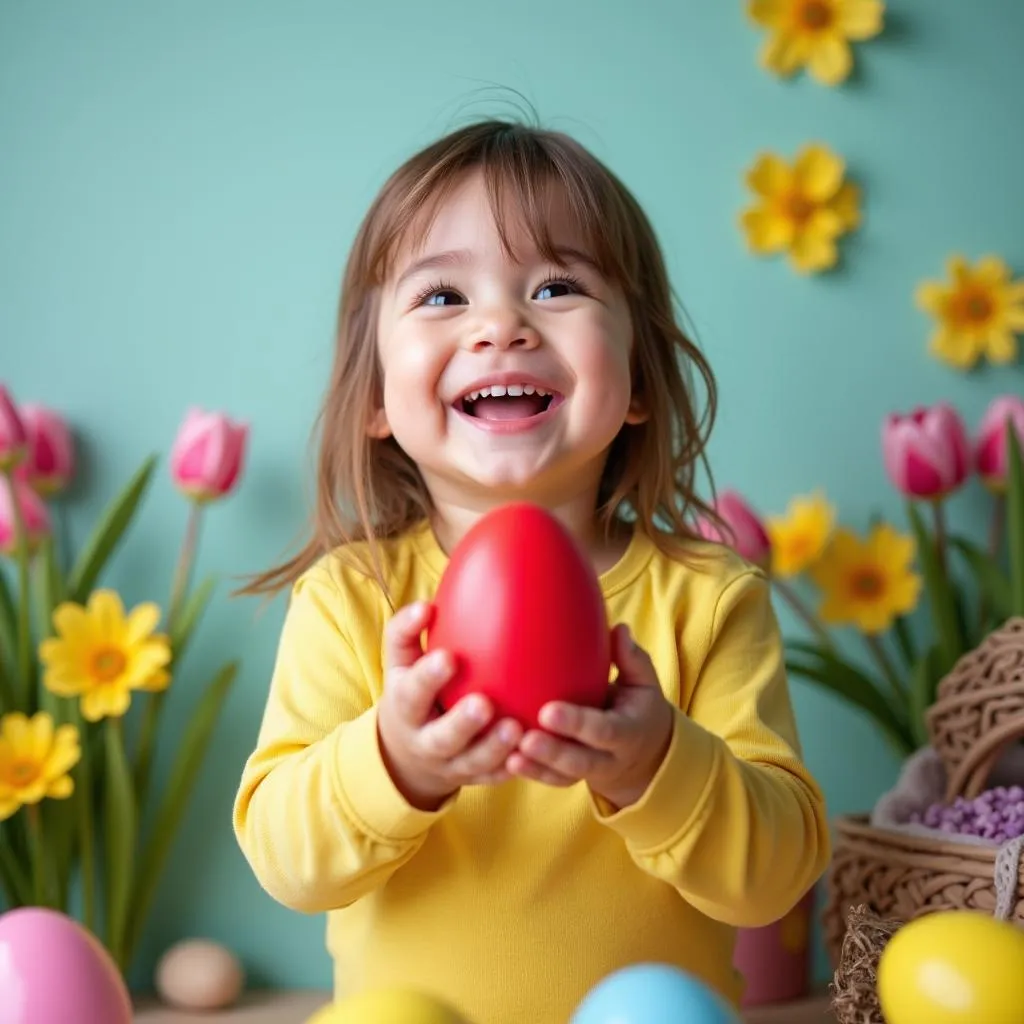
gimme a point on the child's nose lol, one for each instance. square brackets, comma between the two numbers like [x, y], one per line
[503, 329]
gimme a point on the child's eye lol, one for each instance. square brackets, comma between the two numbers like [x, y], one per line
[556, 288]
[439, 295]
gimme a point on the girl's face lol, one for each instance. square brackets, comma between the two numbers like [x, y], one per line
[503, 379]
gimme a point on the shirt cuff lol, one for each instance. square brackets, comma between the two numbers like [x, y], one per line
[678, 794]
[366, 791]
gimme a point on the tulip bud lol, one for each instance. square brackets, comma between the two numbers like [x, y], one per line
[13, 437]
[991, 452]
[207, 456]
[743, 529]
[926, 453]
[34, 516]
[51, 451]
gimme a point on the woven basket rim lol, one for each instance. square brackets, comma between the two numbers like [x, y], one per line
[967, 777]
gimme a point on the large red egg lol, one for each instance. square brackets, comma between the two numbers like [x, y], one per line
[520, 608]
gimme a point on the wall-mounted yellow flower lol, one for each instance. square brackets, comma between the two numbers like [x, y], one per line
[801, 535]
[867, 583]
[815, 34]
[978, 312]
[35, 759]
[101, 655]
[801, 208]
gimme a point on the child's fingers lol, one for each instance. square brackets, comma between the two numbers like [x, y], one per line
[526, 768]
[443, 738]
[402, 644]
[415, 689]
[593, 727]
[487, 756]
[572, 760]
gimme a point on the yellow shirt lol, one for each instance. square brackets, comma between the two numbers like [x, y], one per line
[511, 902]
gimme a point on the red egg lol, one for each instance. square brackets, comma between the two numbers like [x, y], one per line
[520, 608]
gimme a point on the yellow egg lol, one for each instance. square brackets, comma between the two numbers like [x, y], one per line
[953, 967]
[392, 1006]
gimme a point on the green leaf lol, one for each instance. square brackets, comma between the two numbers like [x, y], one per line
[940, 596]
[50, 592]
[1015, 519]
[924, 680]
[191, 612]
[108, 533]
[850, 683]
[191, 752]
[120, 840]
[8, 618]
[905, 640]
[993, 584]
[17, 885]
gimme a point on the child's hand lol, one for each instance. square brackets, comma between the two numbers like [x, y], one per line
[616, 751]
[430, 756]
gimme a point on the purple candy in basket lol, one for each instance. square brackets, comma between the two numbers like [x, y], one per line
[997, 814]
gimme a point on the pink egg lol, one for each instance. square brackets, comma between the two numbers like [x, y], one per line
[53, 971]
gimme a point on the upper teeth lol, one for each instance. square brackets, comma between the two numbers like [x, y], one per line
[500, 390]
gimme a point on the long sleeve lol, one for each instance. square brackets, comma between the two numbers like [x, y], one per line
[733, 820]
[317, 815]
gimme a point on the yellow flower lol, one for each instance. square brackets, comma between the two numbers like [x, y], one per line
[814, 34]
[35, 760]
[978, 313]
[801, 209]
[100, 654]
[867, 583]
[800, 536]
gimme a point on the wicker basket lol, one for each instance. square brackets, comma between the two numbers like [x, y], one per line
[978, 711]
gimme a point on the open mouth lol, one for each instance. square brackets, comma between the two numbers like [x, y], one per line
[507, 402]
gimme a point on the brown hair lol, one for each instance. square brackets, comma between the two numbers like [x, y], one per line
[369, 489]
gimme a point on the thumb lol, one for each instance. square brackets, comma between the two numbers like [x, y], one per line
[633, 662]
[402, 635]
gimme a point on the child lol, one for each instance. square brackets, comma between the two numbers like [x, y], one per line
[506, 333]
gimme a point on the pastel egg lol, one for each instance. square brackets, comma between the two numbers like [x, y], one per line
[198, 974]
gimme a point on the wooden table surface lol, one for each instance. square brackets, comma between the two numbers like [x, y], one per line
[298, 1007]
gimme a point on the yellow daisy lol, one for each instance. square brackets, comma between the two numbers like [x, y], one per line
[867, 583]
[101, 655]
[801, 535]
[801, 208]
[815, 34]
[35, 760]
[978, 314]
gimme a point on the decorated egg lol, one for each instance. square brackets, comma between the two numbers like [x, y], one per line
[197, 974]
[520, 608]
[953, 967]
[653, 994]
[387, 1006]
[53, 971]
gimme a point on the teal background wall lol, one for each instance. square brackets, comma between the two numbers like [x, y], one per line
[179, 184]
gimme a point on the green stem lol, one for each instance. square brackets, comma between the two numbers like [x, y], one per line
[151, 716]
[813, 623]
[996, 528]
[85, 834]
[24, 600]
[20, 883]
[884, 662]
[39, 873]
[939, 518]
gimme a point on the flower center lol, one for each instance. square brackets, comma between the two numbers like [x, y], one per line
[108, 664]
[816, 15]
[867, 583]
[798, 207]
[975, 307]
[22, 773]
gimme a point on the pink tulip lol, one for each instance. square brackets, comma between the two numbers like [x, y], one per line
[744, 532]
[34, 516]
[51, 450]
[991, 452]
[927, 454]
[13, 438]
[207, 456]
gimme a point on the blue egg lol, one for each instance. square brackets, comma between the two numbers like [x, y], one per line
[653, 994]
